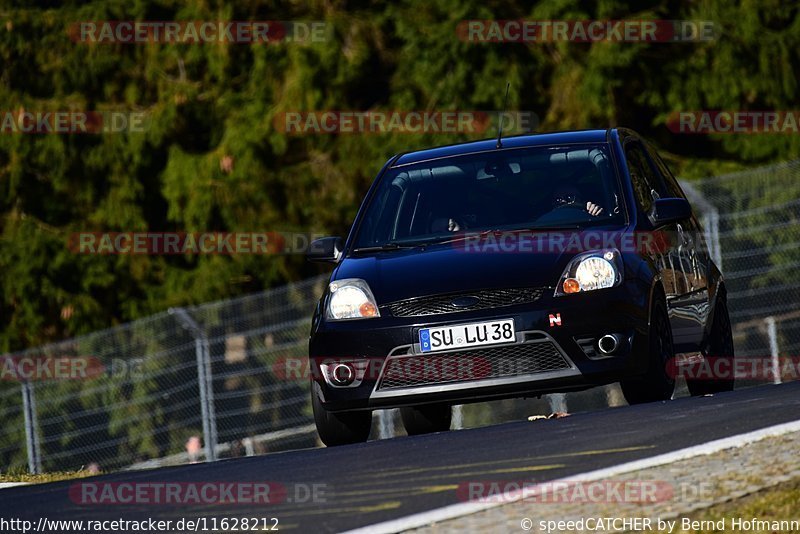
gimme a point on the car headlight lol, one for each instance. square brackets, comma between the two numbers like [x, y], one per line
[351, 298]
[597, 269]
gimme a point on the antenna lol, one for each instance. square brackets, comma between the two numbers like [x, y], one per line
[500, 119]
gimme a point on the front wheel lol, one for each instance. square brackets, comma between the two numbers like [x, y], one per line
[656, 384]
[720, 345]
[339, 428]
[426, 418]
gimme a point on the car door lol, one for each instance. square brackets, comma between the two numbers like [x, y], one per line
[695, 257]
[671, 257]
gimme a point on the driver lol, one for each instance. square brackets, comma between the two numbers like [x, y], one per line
[445, 224]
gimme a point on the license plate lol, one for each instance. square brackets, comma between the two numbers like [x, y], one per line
[466, 335]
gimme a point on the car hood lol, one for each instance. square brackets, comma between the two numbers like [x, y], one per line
[449, 268]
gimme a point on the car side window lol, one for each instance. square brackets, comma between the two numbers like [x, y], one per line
[673, 189]
[642, 176]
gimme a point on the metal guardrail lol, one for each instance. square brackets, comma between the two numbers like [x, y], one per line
[249, 444]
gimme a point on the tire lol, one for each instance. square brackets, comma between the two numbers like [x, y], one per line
[339, 428]
[426, 419]
[656, 384]
[720, 345]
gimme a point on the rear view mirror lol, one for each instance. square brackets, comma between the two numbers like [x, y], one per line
[670, 210]
[325, 249]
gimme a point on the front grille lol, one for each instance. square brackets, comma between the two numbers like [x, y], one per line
[473, 365]
[487, 298]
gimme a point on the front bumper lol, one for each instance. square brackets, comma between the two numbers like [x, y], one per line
[555, 350]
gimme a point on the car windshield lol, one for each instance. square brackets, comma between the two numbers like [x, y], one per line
[534, 188]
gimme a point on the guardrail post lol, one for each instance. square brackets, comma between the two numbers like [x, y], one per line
[558, 402]
[204, 381]
[385, 424]
[31, 429]
[772, 334]
[458, 417]
[249, 449]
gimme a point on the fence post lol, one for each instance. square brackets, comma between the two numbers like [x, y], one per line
[710, 221]
[31, 429]
[716, 250]
[204, 381]
[711, 231]
[772, 334]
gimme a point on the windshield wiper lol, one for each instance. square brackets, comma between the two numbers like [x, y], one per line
[396, 245]
[468, 235]
[378, 248]
[392, 245]
[551, 227]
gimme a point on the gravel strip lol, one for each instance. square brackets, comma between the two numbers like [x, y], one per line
[666, 492]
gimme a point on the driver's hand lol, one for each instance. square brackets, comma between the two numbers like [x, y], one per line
[593, 209]
[453, 226]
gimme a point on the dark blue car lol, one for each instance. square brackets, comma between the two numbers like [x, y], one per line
[496, 269]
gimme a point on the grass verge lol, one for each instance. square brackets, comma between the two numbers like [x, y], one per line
[44, 477]
[781, 502]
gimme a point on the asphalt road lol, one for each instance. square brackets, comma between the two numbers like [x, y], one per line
[387, 479]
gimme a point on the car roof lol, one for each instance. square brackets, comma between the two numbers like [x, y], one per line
[516, 141]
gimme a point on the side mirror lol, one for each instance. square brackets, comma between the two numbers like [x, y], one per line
[670, 210]
[325, 249]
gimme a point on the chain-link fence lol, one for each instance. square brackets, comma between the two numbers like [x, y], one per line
[752, 224]
[163, 390]
[160, 387]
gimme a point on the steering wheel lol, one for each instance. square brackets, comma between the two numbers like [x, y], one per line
[572, 205]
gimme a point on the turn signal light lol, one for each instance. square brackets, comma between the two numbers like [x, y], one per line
[368, 309]
[571, 286]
